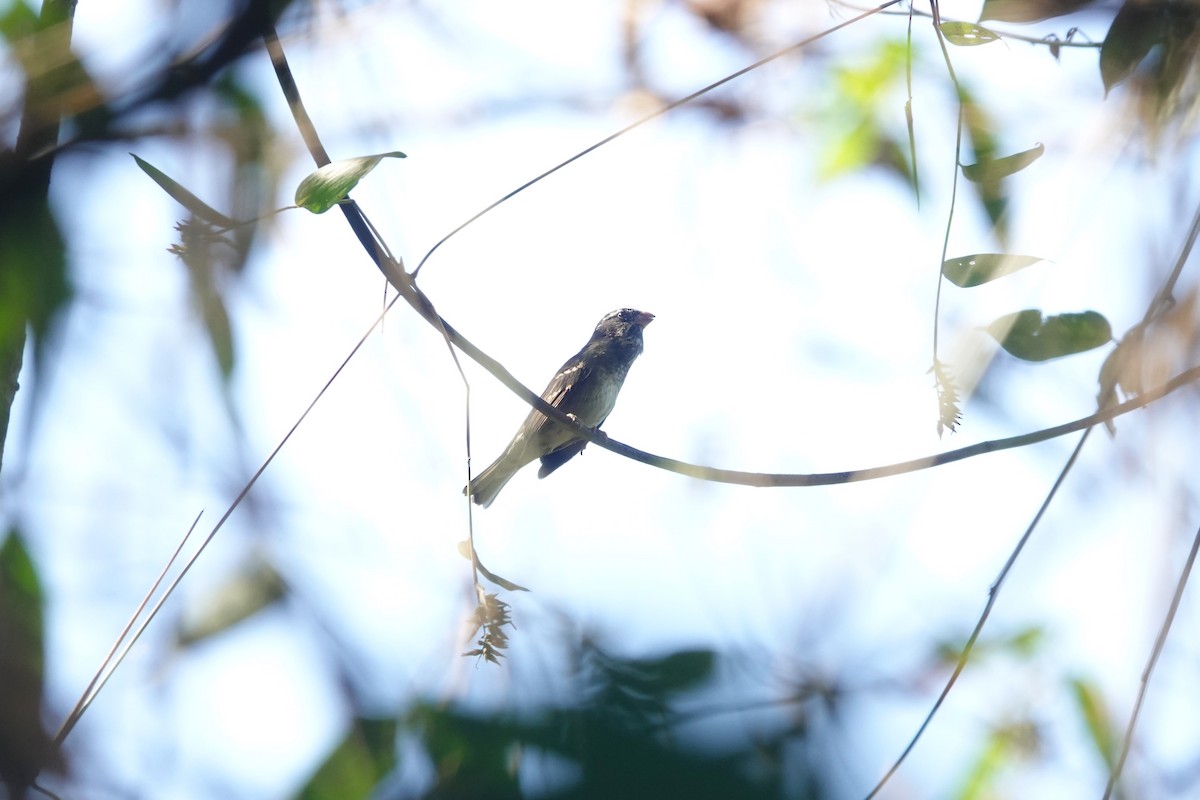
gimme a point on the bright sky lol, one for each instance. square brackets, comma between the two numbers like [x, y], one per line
[792, 335]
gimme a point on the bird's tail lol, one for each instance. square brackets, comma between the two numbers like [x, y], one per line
[487, 484]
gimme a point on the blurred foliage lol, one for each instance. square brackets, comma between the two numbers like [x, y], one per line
[363, 759]
[860, 124]
[25, 747]
[256, 587]
[619, 738]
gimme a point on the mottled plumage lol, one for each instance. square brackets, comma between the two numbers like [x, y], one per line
[585, 387]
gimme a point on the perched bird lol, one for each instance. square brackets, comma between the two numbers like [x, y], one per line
[585, 388]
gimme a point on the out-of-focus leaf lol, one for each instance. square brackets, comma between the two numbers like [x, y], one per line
[184, 197]
[358, 764]
[25, 748]
[1095, 718]
[1004, 745]
[1135, 29]
[1021, 644]
[968, 271]
[323, 189]
[967, 34]
[858, 121]
[254, 186]
[981, 131]
[996, 168]
[244, 595]
[17, 23]
[33, 266]
[675, 672]
[1030, 336]
[1029, 10]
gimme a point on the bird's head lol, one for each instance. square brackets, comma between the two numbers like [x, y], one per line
[624, 321]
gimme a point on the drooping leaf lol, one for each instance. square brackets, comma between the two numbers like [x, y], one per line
[967, 34]
[1135, 30]
[323, 189]
[359, 763]
[1029, 10]
[996, 168]
[1030, 336]
[184, 197]
[968, 271]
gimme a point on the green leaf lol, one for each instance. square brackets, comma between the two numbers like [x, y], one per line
[1031, 337]
[34, 285]
[18, 22]
[1135, 30]
[996, 168]
[185, 198]
[968, 271]
[1096, 718]
[323, 189]
[25, 746]
[967, 34]
[358, 765]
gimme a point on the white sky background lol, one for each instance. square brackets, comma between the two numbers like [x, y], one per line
[792, 335]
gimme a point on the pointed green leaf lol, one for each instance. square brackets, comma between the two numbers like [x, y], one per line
[1031, 337]
[1135, 30]
[967, 34]
[323, 189]
[967, 271]
[996, 168]
[185, 198]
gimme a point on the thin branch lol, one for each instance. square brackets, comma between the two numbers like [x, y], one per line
[655, 115]
[1159, 643]
[100, 678]
[993, 595]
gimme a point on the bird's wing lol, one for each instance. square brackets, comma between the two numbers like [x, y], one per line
[568, 378]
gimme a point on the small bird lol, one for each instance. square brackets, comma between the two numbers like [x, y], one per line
[585, 389]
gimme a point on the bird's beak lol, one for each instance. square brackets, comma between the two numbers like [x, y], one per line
[644, 318]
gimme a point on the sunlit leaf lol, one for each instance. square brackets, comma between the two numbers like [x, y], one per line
[966, 34]
[323, 189]
[1135, 30]
[996, 168]
[1032, 337]
[967, 271]
[358, 764]
[1029, 10]
[184, 197]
